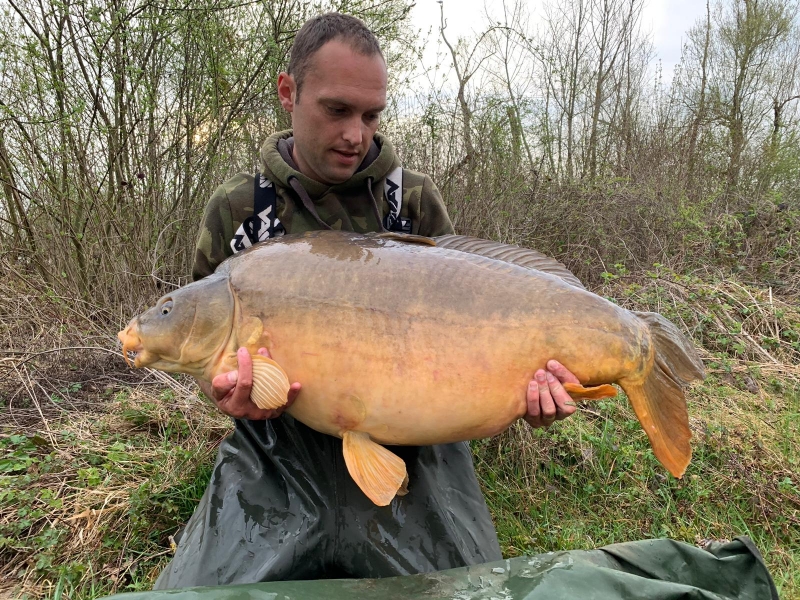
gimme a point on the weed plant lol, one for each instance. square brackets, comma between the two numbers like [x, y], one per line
[652, 196]
[592, 479]
[100, 467]
[89, 505]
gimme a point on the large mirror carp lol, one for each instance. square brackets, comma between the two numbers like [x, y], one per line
[404, 340]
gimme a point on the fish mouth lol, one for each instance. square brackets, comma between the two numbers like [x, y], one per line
[131, 343]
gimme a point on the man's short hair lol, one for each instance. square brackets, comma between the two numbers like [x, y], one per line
[318, 31]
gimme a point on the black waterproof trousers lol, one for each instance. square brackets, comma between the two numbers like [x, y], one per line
[282, 506]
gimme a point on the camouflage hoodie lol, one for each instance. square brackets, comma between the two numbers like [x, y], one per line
[354, 205]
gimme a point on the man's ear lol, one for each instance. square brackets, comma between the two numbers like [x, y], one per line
[287, 91]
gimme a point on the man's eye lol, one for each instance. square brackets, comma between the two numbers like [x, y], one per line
[336, 111]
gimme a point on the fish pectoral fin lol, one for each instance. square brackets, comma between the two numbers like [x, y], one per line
[270, 383]
[379, 473]
[578, 392]
[250, 331]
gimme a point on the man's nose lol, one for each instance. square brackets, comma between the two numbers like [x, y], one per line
[353, 133]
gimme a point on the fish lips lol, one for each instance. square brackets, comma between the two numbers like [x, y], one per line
[132, 343]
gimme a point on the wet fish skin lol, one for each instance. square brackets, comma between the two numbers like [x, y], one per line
[413, 344]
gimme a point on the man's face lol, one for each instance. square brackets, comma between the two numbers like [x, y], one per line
[338, 111]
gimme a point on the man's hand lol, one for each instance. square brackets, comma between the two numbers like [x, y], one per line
[231, 391]
[548, 401]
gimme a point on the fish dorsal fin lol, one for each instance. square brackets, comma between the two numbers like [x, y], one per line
[407, 237]
[511, 254]
[379, 473]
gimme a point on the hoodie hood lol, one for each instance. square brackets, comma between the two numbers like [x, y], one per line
[375, 167]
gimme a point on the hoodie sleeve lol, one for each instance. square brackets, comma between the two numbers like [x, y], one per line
[210, 245]
[433, 217]
[229, 205]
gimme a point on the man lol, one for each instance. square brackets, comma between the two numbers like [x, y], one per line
[280, 504]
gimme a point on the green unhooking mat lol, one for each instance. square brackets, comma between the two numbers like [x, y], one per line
[650, 569]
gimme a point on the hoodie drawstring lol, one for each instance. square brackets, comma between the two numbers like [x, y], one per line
[375, 205]
[309, 204]
[306, 200]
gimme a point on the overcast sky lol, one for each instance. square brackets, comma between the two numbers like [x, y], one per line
[666, 20]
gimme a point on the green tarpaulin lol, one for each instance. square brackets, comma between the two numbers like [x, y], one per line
[650, 569]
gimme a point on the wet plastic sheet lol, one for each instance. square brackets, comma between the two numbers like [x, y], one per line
[651, 569]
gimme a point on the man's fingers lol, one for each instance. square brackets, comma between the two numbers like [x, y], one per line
[533, 416]
[533, 399]
[244, 382]
[546, 403]
[244, 411]
[560, 371]
[222, 385]
[232, 390]
[558, 374]
[563, 401]
[236, 402]
[294, 391]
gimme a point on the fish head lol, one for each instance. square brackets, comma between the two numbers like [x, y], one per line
[184, 330]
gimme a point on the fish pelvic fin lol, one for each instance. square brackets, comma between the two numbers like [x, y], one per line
[659, 400]
[578, 392]
[379, 473]
[270, 383]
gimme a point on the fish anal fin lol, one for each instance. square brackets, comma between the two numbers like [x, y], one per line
[379, 473]
[579, 392]
[270, 383]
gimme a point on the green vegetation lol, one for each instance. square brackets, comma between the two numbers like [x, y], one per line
[592, 480]
[118, 120]
[90, 494]
[88, 505]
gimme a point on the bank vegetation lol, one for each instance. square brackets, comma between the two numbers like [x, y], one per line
[557, 130]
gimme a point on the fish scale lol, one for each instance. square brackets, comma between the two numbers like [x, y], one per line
[402, 340]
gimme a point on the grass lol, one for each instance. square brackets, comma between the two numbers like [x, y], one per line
[88, 504]
[593, 480]
[98, 471]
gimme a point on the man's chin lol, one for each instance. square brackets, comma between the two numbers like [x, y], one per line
[335, 176]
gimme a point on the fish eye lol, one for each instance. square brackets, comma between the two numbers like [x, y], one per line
[166, 308]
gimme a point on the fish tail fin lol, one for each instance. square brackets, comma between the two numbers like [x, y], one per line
[658, 400]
